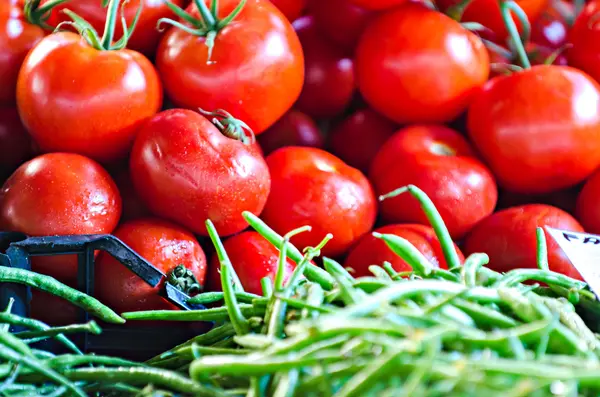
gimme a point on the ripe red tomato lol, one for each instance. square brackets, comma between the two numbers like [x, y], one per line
[487, 13]
[550, 29]
[15, 144]
[253, 258]
[133, 205]
[509, 238]
[313, 187]
[187, 171]
[373, 251]
[51, 309]
[329, 73]
[340, 21]
[163, 244]
[584, 39]
[94, 106]
[293, 129]
[292, 9]
[17, 37]
[441, 162]
[407, 70]
[145, 37]
[377, 4]
[59, 194]
[358, 137]
[255, 72]
[539, 129]
[588, 210]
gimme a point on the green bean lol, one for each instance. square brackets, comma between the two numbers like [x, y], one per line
[212, 297]
[408, 252]
[222, 255]
[286, 384]
[214, 314]
[469, 270]
[72, 360]
[573, 322]
[267, 286]
[387, 266]
[190, 352]
[8, 339]
[6, 326]
[348, 293]
[314, 301]
[17, 357]
[240, 323]
[312, 272]
[52, 286]
[542, 249]
[484, 316]
[516, 276]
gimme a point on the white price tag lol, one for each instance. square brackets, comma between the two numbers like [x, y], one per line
[583, 250]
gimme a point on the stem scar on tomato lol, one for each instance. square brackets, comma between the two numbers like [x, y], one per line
[230, 126]
[104, 43]
[184, 280]
[207, 26]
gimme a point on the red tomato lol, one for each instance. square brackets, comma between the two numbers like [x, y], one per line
[293, 129]
[340, 21]
[145, 37]
[550, 29]
[377, 4]
[487, 13]
[17, 37]
[253, 258]
[539, 129]
[358, 137]
[53, 310]
[540, 55]
[373, 251]
[416, 65]
[588, 210]
[187, 171]
[59, 194]
[584, 39]
[133, 205]
[509, 238]
[313, 187]
[292, 9]
[329, 73]
[94, 106]
[161, 243]
[441, 162]
[255, 72]
[15, 145]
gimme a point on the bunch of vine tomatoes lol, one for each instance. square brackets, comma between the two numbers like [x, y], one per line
[145, 118]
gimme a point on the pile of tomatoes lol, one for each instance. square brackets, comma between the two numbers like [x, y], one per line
[144, 119]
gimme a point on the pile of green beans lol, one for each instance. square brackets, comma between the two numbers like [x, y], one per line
[465, 331]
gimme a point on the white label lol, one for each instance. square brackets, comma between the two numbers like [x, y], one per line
[583, 250]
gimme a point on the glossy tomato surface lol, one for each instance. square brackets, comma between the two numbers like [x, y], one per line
[17, 37]
[416, 65]
[256, 69]
[74, 98]
[146, 35]
[377, 5]
[584, 41]
[313, 187]
[293, 129]
[253, 258]
[509, 238]
[357, 138]
[15, 144]
[187, 171]
[539, 129]
[329, 74]
[292, 9]
[370, 250]
[588, 208]
[163, 244]
[439, 161]
[59, 194]
[550, 29]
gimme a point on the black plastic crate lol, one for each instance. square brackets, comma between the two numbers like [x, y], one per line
[133, 342]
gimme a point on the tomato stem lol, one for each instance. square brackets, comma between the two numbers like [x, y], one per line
[111, 21]
[38, 15]
[230, 126]
[516, 40]
[456, 11]
[184, 280]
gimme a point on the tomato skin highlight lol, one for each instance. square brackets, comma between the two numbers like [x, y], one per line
[357, 139]
[533, 130]
[59, 194]
[187, 171]
[145, 37]
[293, 129]
[328, 76]
[256, 70]
[587, 210]
[15, 144]
[17, 38]
[253, 258]
[163, 244]
[74, 98]
[313, 187]
[416, 65]
[370, 250]
[584, 39]
[509, 238]
[441, 162]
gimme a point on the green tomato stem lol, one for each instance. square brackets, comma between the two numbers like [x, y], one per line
[507, 8]
[111, 23]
